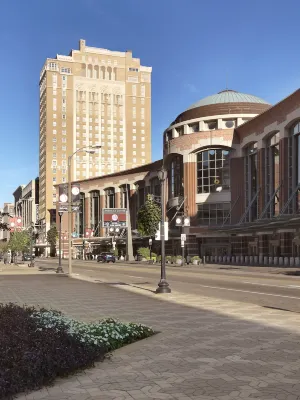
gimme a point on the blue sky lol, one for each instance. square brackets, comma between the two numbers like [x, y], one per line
[192, 46]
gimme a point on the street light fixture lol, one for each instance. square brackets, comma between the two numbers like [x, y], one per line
[91, 150]
[163, 286]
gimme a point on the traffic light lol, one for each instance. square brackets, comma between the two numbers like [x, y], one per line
[182, 221]
[75, 192]
[63, 193]
[114, 230]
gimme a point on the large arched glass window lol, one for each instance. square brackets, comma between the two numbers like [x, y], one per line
[175, 177]
[95, 211]
[294, 168]
[213, 170]
[272, 186]
[251, 182]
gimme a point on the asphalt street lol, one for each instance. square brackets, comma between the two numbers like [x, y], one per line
[266, 290]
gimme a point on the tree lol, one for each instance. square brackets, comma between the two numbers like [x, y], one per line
[148, 217]
[19, 241]
[52, 236]
[3, 225]
[3, 247]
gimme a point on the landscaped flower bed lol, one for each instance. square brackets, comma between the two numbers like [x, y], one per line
[36, 346]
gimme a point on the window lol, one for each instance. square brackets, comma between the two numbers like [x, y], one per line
[251, 181]
[110, 198]
[63, 171]
[213, 213]
[229, 124]
[65, 70]
[54, 116]
[63, 116]
[211, 125]
[124, 189]
[194, 128]
[143, 90]
[133, 90]
[53, 147]
[54, 179]
[64, 132]
[54, 155]
[54, 139]
[64, 179]
[54, 123]
[54, 170]
[133, 137]
[54, 163]
[176, 177]
[64, 124]
[64, 139]
[142, 139]
[63, 155]
[212, 170]
[272, 181]
[64, 148]
[133, 69]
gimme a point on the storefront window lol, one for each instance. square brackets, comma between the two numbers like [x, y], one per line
[213, 170]
[213, 213]
[80, 220]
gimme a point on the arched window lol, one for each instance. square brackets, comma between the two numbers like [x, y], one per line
[90, 71]
[124, 189]
[110, 198]
[213, 170]
[294, 168]
[176, 177]
[109, 71]
[80, 216]
[95, 211]
[102, 72]
[251, 181]
[272, 180]
[96, 72]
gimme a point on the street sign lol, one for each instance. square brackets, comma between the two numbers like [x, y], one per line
[183, 237]
[182, 243]
[114, 217]
[157, 234]
[64, 208]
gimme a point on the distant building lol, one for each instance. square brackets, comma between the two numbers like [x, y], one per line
[93, 96]
[8, 208]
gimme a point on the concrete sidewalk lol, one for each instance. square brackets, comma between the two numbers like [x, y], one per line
[208, 349]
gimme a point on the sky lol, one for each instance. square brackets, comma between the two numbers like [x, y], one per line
[196, 48]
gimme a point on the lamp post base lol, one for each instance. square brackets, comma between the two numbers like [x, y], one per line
[59, 270]
[163, 287]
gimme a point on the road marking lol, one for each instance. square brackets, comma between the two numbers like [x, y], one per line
[248, 291]
[279, 286]
[133, 276]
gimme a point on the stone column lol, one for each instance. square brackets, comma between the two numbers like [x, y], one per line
[190, 186]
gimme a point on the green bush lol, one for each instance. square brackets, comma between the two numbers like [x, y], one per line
[169, 258]
[158, 258]
[196, 258]
[144, 252]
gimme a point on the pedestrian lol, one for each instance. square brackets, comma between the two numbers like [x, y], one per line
[188, 259]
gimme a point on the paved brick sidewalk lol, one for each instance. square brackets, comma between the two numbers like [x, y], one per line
[207, 349]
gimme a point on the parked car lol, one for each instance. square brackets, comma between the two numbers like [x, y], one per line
[26, 257]
[106, 257]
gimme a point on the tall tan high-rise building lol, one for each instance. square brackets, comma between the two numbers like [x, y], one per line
[93, 96]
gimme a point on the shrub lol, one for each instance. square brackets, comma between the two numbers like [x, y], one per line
[144, 252]
[169, 258]
[36, 346]
[158, 258]
[196, 258]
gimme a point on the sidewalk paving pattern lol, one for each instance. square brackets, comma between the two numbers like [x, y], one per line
[208, 349]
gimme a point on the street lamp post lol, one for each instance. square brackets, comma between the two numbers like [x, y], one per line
[31, 243]
[163, 286]
[59, 268]
[91, 150]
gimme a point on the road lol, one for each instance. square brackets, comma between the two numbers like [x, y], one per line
[266, 290]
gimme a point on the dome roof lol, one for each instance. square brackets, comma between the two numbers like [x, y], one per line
[227, 96]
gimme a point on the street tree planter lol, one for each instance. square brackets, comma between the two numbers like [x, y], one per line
[196, 260]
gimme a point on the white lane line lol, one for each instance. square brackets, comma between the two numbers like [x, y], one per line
[248, 291]
[133, 276]
[279, 286]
